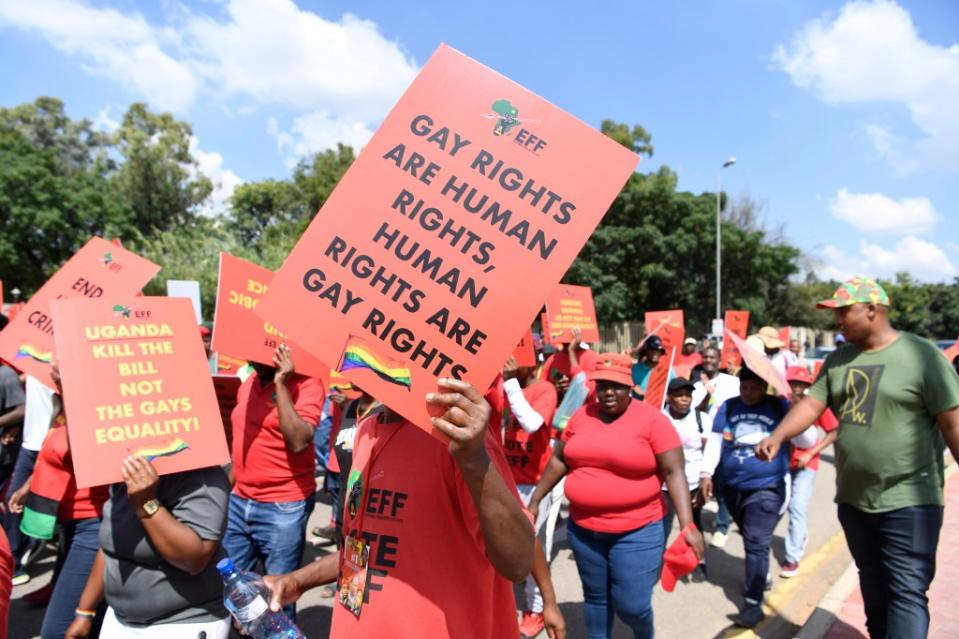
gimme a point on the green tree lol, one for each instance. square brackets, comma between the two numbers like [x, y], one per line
[636, 139]
[317, 177]
[54, 191]
[158, 179]
[257, 206]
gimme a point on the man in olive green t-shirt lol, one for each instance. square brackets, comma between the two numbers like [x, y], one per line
[897, 401]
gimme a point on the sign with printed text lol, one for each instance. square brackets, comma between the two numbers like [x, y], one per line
[570, 307]
[136, 382]
[239, 331]
[524, 353]
[100, 269]
[432, 256]
[670, 326]
[760, 364]
[659, 380]
[737, 322]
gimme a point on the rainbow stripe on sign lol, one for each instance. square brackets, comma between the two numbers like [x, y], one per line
[174, 447]
[358, 355]
[29, 350]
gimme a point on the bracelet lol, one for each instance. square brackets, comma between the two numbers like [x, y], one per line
[89, 614]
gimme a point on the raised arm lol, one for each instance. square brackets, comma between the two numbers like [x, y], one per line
[297, 432]
[176, 542]
[507, 533]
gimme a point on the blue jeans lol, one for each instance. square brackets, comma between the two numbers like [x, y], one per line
[321, 442]
[22, 469]
[802, 483]
[271, 533]
[895, 553]
[81, 541]
[618, 571]
[756, 512]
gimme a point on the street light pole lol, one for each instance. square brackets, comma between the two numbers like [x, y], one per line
[719, 250]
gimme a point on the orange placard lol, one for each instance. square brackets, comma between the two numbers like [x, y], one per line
[659, 379]
[524, 354]
[98, 270]
[736, 322]
[432, 256]
[549, 336]
[668, 325]
[570, 307]
[136, 382]
[239, 331]
[760, 364]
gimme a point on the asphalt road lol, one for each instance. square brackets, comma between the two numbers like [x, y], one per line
[692, 611]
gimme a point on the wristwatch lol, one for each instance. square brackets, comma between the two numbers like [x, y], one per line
[148, 509]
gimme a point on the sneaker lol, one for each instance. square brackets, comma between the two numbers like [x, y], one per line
[531, 624]
[20, 578]
[699, 575]
[31, 553]
[326, 532]
[789, 569]
[40, 597]
[749, 616]
[718, 540]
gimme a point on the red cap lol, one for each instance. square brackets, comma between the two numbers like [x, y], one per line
[679, 560]
[613, 367]
[799, 374]
[204, 331]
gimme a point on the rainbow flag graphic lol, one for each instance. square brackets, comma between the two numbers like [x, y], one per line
[151, 453]
[29, 350]
[358, 354]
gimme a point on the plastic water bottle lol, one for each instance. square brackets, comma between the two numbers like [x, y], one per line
[247, 598]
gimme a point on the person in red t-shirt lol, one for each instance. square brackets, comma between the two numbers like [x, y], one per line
[274, 462]
[529, 405]
[617, 452]
[51, 496]
[688, 359]
[804, 463]
[443, 526]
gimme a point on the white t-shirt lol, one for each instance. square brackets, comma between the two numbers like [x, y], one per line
[725, 386]
[691, 436]
[39, 414]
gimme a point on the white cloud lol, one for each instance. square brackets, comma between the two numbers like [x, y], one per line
[210, 164]
[104, 121]
[924, 260]
[338, 77]
[124, 48]
[872, 52]
[318, 131]
[875, 212]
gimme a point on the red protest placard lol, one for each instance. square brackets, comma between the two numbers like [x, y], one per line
[668, 325]
[659, 380]
[99, 269]
[570, 307]
[736, 322]
[760, 364]
[524, 354]
[432, 256]
[239, 331]
[549, 336]
[784, 334]
[136, 382]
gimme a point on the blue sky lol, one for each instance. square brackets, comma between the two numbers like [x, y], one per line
[841, 114]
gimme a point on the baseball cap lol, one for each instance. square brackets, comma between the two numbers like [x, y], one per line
[613, 367]
[799, 374]
[204, 331]
[856, 290]
[770, 337]
[679, 560]
[677, 384]
[690, 340]
[653, 343]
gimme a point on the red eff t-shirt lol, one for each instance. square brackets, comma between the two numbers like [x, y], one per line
[265, 469]
[528, 453]
[828, 422]
[428, 573]
[53, 478]
[612, 484]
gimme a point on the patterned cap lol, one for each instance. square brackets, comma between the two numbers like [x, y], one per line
[855, 290]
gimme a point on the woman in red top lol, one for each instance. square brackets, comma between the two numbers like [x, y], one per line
[617, 452]
[50, 496]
